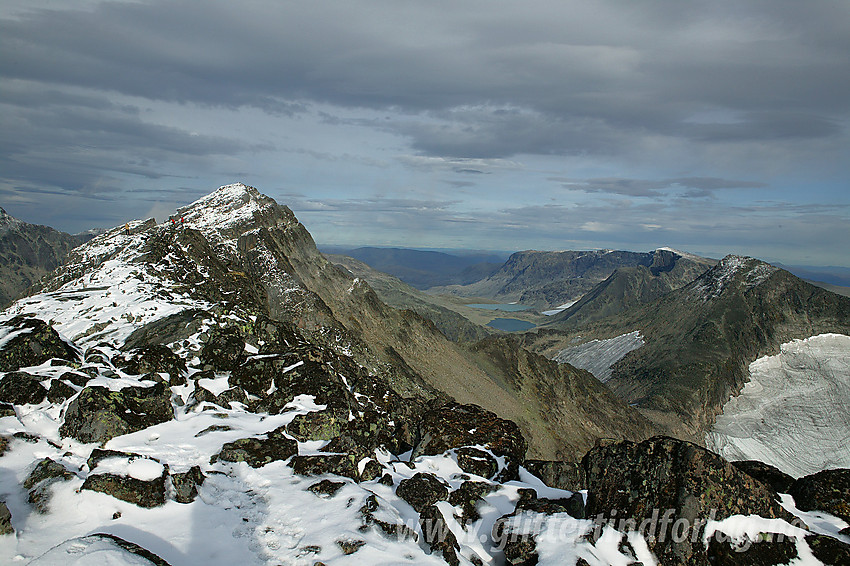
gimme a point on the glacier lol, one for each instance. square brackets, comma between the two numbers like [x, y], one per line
[794, 413]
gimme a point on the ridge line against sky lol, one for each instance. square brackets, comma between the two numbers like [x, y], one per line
[718, 127]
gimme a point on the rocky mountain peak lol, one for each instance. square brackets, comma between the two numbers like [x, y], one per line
[230, 211]
[7, 221]
[745, 271]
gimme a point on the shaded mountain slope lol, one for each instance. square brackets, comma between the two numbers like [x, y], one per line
[629, 287]
[28, 252]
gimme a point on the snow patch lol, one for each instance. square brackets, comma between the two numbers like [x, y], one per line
[599, 356]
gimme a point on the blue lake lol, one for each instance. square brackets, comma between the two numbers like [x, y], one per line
[511, 324]
[500, 307]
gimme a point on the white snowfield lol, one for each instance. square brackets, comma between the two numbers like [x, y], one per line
[598, 356]
[795, 411]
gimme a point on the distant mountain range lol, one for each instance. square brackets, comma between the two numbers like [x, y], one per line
[29, 252]
[422, 268]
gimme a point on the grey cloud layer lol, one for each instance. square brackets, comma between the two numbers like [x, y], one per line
[480, 120]
[539, 77]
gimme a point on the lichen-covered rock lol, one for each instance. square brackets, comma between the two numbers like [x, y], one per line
[277, 381]
[6, 527]
[155, 359]
[365, 433]
[755, 553]
[468, 497]
[98, 414]
[454, 425]
[560, 475]
[316, 465]
[318, 425]
[630, 480]
[7, 410]
[257, 452]
[224, 350]
[829, 550]
[186, 484]
[350, 545]
[405, 413]
[21, 388]
[145, 493]
[422, 490]
[828, 490]
[223, 399]
[32, 342]
[478, 462]
[771, 476]
[512, 533]
[326, 488]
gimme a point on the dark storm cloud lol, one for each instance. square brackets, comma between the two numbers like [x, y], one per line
[538, 78]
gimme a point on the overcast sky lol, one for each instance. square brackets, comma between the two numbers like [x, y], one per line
[714, 127]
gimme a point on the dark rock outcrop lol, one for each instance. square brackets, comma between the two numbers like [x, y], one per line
[422, 490]
[35, 343]
[664, 477]
[454, 426]
[561, 475]
[98, 414]
[316, 465]
[21, 388]
[186, 484]
[224, 350]
[156, 359]
[437, 534]
[6, 527]
[827, 491]
[771, 476]
[45, 473]
[468, 497]
[144, 493]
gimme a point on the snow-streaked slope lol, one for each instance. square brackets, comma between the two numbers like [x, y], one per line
[597, 356]
[795, 411]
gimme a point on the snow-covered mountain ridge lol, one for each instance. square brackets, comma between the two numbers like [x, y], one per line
[178, 388]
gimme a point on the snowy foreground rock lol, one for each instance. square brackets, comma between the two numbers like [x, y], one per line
[154, 409]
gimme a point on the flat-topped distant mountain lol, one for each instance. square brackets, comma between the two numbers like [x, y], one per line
[546, 280]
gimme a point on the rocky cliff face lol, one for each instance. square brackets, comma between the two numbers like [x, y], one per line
[29, 252]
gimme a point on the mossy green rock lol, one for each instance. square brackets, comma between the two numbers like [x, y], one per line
[98, 414]
[257, 452]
